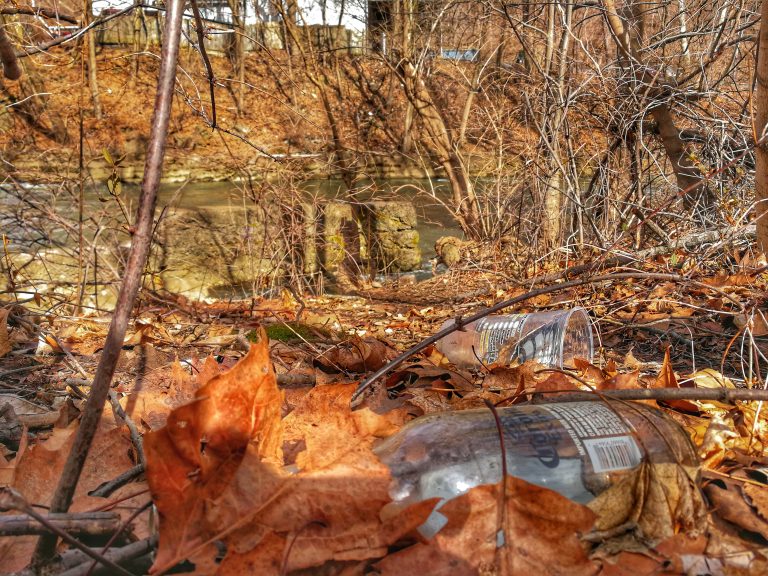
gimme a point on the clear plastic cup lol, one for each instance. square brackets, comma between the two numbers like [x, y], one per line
[553, 338]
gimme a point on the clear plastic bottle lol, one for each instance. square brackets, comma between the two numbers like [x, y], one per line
[552, 338]
[575, 448]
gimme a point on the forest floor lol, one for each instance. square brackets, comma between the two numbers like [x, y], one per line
[254, 474]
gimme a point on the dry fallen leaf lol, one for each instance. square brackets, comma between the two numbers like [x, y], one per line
[667, 379]
[330, 515]
[511, 381]
[622, 381]
[757, 322]
[730, 503]
[677, 554]
[541, 536]
[324, 424]
[356, 355]
[198, 452]
[556, 383]
[757, 496]
[39, 468]
[661, 498]
[428, 387]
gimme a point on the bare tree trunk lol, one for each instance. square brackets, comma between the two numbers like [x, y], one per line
[403, 25]
[552, 117]
[534, 51]
[11, 68]
[463, 190]
[139, 24]
[687, 173]
[29, 96]
[476, 81]
[549, 53]
[627, 32]
[553, 194]
[237, 51]
[93, 81]
[761, 123]
[406, 143]
[289, 11]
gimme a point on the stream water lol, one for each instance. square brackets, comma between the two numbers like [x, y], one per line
[434, 219]
[41, 225]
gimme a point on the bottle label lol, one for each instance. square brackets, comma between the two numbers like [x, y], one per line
[611, 454]
[600, 434]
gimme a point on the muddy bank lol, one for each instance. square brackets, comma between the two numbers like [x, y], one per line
[191, 167]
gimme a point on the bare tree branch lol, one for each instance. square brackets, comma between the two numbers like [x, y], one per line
[36, 11]
[206, 60]
[11, 68]
[132, 279]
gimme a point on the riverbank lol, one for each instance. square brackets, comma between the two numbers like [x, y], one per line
[183, 167]
[280, 129]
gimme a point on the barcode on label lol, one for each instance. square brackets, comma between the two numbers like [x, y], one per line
[613, 453]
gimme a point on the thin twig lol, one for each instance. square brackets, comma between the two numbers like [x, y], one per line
[206, 60]
[724, 395]
[12, 500]
[38, 11]
[132, 278]
[64, 39]
[501, 526]
[136, 437]
[117, 409]
[106, 489]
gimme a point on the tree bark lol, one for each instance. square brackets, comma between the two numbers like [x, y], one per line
[139, 24]
[93, 79]
[761, 123]
[450, 158]
[627, 31]
[11, 68]
[237, 52]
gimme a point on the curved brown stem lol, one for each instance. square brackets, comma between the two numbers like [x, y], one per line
[132, 279]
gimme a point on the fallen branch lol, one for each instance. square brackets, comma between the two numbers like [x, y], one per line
[81, 523]
[357, 397]
[117, 555]
[724, 395]
[12, 500]
[688, 242]
[76, 563]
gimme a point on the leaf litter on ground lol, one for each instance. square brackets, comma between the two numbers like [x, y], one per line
[249, 476]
